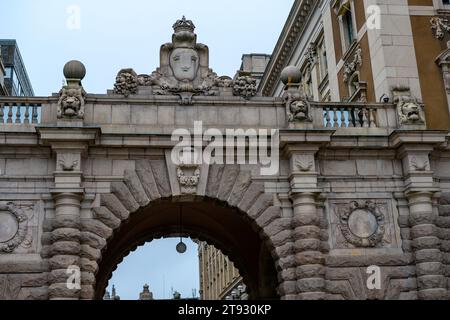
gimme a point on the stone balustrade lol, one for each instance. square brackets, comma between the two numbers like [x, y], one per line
[20, 110]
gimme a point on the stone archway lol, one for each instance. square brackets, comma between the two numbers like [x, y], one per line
[234, 214]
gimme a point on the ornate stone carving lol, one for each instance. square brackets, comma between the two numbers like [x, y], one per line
[439, 26]
[297, 106]
[409, 110]
[188, 176]
[362, 223]
[184, 71]
[304, 163]
[71, 102]
[244, 86]
[311, 54]
[126, 82]
[419, 164]
[13, 227]
[351, 67]
[68, 162]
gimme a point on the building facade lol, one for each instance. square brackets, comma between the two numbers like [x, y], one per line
[343, 190]
[16, 79]
[3, 91]
[218, 275]
[362, 50]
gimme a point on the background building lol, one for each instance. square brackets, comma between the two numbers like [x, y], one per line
[218, 275]
[345, 56]
[2, 76]
[16, 79]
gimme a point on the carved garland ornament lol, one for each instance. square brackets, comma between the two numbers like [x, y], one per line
[188, 176]
[362, 223]
[439, 26]
[13, 227]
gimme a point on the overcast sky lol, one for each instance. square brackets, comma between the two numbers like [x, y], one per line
[116, 34]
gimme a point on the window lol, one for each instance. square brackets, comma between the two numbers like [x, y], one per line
[347, 23]
[8, 72]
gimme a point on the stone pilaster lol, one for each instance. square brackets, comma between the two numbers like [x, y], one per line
[308, 223]
[419, 191]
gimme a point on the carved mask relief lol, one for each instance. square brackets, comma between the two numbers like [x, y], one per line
[184, 63]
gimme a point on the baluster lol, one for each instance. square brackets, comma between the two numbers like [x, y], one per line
[373, 122]
[18, 106]
[357, 118]
[351, 118]
[343, 124]
[26, 119]
[327, 117]
[34, 114]
[10, 113]
[364, 115]
[335, 118]
[1, 114]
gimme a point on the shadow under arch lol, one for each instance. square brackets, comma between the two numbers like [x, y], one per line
[227, 228]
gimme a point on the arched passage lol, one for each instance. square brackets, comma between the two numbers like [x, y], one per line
[224, 227]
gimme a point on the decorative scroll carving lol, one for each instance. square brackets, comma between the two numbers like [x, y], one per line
[409, 110]
[439, 26]
[13, 227]
[362, 223]
[71, 102]
[126, 82]
[351, 67]
[188, 176]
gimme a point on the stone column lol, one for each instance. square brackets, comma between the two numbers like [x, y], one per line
[65, 249]
[309, 226]
[425, 243]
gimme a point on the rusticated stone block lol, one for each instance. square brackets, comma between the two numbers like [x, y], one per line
[161, 176]
[63, 261]
[34, 279]
[87, 292]
[90, 253]
[311, 285]
[284, 250]
[278, 225]
[428, 255]
[66, 221]
[429, 268]
[97, 227]
[250, 196]
[423, 230]
[288, 275]
[114, 205]
[149, 184]
[61, 291]
[134, 185]
[92, 240]
[269, 215]
[107, 217]
[121, 191]
[416, 218]
[307, 232]
[432, 294]
[281, 238]
[312, 296]
[286, 263]
[425, 243]
[229, 176]
[309, 257]
[242, 183]
[88, 265]
[306, 219]
[431, 282]
[307, 245]
[40, 293]
[87, 278]
[287, 288]
[65, 248]
[310, 271]
[214, 178]
[65, 234]
[263, 202]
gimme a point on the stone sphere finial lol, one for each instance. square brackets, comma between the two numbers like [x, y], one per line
[291, 75]
[74, 70]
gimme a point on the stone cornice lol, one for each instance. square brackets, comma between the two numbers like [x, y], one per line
[285, 46]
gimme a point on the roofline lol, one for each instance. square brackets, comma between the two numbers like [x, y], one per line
[298, 16]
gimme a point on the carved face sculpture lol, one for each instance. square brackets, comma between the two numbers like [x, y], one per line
[299, 110]
[184, 63]
[71, 103]
[411, 111]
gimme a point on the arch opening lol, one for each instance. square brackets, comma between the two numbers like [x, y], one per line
[210, 221]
